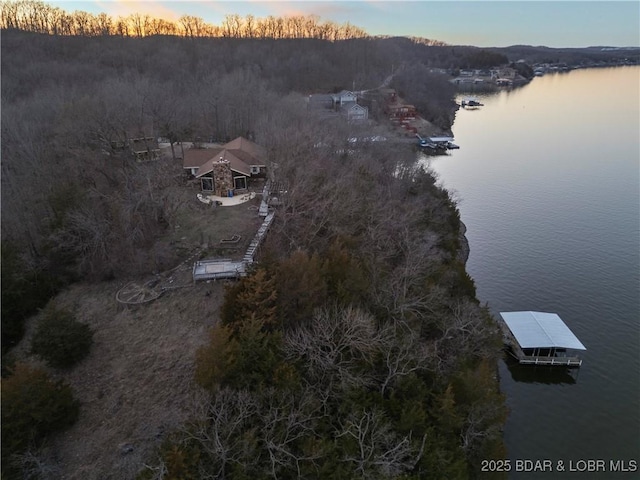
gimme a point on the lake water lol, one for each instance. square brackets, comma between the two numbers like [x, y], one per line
[548, 183]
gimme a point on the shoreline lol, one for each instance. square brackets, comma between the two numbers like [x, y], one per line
[465, 249]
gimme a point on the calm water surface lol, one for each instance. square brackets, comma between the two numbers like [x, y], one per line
[548, 182]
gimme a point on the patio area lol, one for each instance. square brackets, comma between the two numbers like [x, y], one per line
[226, 201]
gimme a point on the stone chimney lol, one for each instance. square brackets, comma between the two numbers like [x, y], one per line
[222, 177]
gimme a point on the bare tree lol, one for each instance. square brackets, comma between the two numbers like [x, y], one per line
[403, 353]
[192, 26]
[104, 24]
[36, 464]
[338, 347]
[378, 451]
[287, 422]
[467, 330]
[226, 418]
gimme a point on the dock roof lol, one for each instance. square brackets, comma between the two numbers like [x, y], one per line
[540, 330]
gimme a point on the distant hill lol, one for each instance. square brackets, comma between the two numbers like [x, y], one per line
[587, 56]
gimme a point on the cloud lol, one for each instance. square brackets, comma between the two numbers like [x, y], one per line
[153, 8]
[324, 9]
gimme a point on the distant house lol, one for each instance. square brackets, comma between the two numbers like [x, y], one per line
[343, 103]
[346, 103]
[507, 73]
[345, 96]
[401, 112]
[226, 169]
[357, 113]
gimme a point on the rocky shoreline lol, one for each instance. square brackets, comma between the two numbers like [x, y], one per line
[464, 250]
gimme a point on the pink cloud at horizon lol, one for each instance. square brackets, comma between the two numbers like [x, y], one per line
[125, 8]
[214, 12]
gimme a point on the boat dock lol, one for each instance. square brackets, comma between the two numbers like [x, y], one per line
[471, 103]
[540, 338]
[436, 143]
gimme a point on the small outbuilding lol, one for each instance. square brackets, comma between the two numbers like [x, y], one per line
[540, 338]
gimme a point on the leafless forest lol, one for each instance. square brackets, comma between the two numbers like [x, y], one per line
[357, 348]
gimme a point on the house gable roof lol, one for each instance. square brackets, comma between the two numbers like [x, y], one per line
[236, 164]
[196, 157]
[240, 153]
[249, 152]
[357, 108]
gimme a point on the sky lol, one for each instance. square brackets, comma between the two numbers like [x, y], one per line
[477, 22]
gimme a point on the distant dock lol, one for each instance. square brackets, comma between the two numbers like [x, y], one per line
[436, 144]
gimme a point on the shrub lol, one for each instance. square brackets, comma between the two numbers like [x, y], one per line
[60, 339]
[24, 290]
[33, 406]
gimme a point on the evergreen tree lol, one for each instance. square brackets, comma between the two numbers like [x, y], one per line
[33, 407]
[60, 339]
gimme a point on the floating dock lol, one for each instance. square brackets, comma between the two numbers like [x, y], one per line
[540, 338]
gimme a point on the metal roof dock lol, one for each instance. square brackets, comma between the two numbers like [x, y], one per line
[540, 338]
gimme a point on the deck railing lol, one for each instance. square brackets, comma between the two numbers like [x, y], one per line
[569, 361]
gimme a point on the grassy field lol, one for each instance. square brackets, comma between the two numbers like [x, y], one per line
[137, 385]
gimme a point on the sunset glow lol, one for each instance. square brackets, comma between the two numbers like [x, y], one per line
[497, 23]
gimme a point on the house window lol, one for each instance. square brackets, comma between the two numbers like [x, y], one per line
[240, 183]
[207, 184]
[255, 170]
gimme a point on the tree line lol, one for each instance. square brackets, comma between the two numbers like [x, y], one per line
[40, 17]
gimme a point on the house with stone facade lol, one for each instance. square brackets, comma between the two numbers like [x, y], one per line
[226, 170]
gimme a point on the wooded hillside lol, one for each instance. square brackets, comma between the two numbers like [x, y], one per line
[356, 349]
